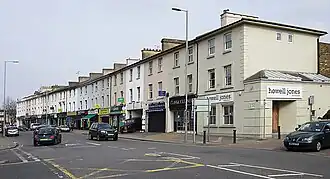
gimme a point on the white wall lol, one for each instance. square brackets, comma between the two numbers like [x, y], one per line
[134, 83]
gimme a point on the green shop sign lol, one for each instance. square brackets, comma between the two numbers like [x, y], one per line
[116, 110]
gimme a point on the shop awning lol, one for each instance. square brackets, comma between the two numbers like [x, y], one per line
[89, 116]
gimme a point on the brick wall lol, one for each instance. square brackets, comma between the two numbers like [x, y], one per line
[325, 59]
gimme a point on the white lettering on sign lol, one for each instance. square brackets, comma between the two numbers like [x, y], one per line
[220, 98]
[287, 92]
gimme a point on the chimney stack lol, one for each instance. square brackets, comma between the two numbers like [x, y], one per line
[228, 17]
[170, 43]
[147, 52]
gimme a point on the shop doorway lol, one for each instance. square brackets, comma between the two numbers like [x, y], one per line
[284, 114]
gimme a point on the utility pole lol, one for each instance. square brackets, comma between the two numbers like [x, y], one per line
[4, 93]
[185, 70]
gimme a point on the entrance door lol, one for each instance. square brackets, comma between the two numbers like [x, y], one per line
[275, 116]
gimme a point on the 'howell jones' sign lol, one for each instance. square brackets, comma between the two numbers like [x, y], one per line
[221, 98]
[286, 92]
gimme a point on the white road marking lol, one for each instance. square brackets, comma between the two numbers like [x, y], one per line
[82, 146]
[124, 149]
[228, 165]
[30, 155]
[152, 148]
[17, 163]
[92, 143]
[287, 174]
[113, 176]
[72, 144]
[276, 169]
[20, 156]
[240, 172]
[132, 148]
[180, 155]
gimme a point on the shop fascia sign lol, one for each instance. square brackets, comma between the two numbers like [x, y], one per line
[104, 111]
[221, 98]
[284, 92]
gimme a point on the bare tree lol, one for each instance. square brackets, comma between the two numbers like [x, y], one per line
[10, 108]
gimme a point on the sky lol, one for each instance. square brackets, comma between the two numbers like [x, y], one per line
[54, 39]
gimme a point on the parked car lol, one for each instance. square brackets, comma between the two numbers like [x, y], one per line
[102, 131]
[33, 126]
[11, 131]
[64, 128]
[311, 135]
[47, 135]
[129, 125]
[22, 128]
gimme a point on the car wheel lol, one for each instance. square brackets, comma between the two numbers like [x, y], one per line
[90, 137]
[318, 146]
[98, 137]
[115, 138]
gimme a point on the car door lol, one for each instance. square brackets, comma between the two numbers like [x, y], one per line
[93, 130]
[327, 135]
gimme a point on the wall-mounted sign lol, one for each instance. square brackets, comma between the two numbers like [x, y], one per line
[104, 111]
[71, 113]
[221, 98]
[121, 100]
[156, 107]
[115, 110]
[178, 102]
[97, 106]
[284, 92]
[161, 93]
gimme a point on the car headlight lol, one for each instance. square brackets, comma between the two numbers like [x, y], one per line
[308, 139]
[287, 138]
[116, 131]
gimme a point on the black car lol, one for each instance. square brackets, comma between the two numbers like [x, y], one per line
[311, 136]
[102, 131]
[46, 135]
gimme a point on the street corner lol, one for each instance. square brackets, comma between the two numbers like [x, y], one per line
[6, 144]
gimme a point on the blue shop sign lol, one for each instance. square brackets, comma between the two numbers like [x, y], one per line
[156, 107]
[161, 93]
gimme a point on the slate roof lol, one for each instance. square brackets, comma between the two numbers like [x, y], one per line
[276, 75]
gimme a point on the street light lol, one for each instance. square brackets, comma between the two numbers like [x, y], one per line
[4, 92]
[185, 70]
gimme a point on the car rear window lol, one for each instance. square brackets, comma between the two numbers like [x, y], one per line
[46, 131]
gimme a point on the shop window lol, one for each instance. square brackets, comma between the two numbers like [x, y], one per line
[228, 114]
[213, 116]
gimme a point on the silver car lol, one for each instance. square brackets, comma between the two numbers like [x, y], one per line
[12, 131]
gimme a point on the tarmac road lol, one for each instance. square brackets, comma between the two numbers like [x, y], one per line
[78, 157]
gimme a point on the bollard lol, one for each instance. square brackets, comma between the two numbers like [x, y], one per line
[204, 137]
[279, 132]
[234, 136]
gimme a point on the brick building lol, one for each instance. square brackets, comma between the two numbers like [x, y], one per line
[324, 61]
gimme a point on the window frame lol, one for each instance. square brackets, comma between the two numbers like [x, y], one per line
[130, 74]
[210, 71]
[228, 42]
[176, 85]
[160, 64]
[176, 57]
[228, 81]
[190, 83]
[278, 36]
[290, 35]
[211, 47]
[191, 54]
[150, 91]
[213, 115]
[150, 66]
[228, 119]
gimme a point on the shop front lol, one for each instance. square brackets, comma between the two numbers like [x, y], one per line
[104, 115]
[117, 115]
[61, 118]
[78, 120]
[89, 119]
[156, 117]
[70, 119]
[177, 107]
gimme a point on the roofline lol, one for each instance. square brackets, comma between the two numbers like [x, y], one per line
[289, 81]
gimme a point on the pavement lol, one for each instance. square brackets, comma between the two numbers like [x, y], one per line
[78, 157]
[6, 143]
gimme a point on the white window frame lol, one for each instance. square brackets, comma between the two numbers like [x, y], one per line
[290, 35]
[190, 54]
[176, 85]
[150, 91]
[176, 57]
[122, 94]
[210, 71]
[121, 78]
[160, 64]
[213, 115]
[138, 71]
[190, 83]
[130, 74]
[278, 36]
[228, 75]
[228, 41]
[228, 119]
[131, 95]
[211, 47]
[160, 85]
[115, 97]
[150, 67]
[103, 102]
[115, 80]
[138, 93]
[102, 83]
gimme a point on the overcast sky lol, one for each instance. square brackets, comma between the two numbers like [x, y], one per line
[53, 39]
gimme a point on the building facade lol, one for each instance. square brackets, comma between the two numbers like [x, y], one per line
[249, 75]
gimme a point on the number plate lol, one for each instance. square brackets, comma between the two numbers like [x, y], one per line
[296, 144]
[110, 134]
[44, 139]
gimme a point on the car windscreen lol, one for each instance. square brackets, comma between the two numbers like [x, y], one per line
[105, 126]
[12, 127]
[46, 131]
[312, 127]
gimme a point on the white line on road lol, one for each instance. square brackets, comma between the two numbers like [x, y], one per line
[93, 143]
[287, 174]
[276, 169]
[240, 172]
[124, 149]
[20, 156]
[228, 165]
[113, 176]
[71, 144]
[17, 163]
[30, 155]
[152, 148]
[180, 155]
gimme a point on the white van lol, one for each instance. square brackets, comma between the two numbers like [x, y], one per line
[34, 126]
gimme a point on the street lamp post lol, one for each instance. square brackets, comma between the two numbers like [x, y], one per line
[4, 92]
[185, 73]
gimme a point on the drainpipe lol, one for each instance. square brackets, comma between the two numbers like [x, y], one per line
[197, 76]
[318, 55]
